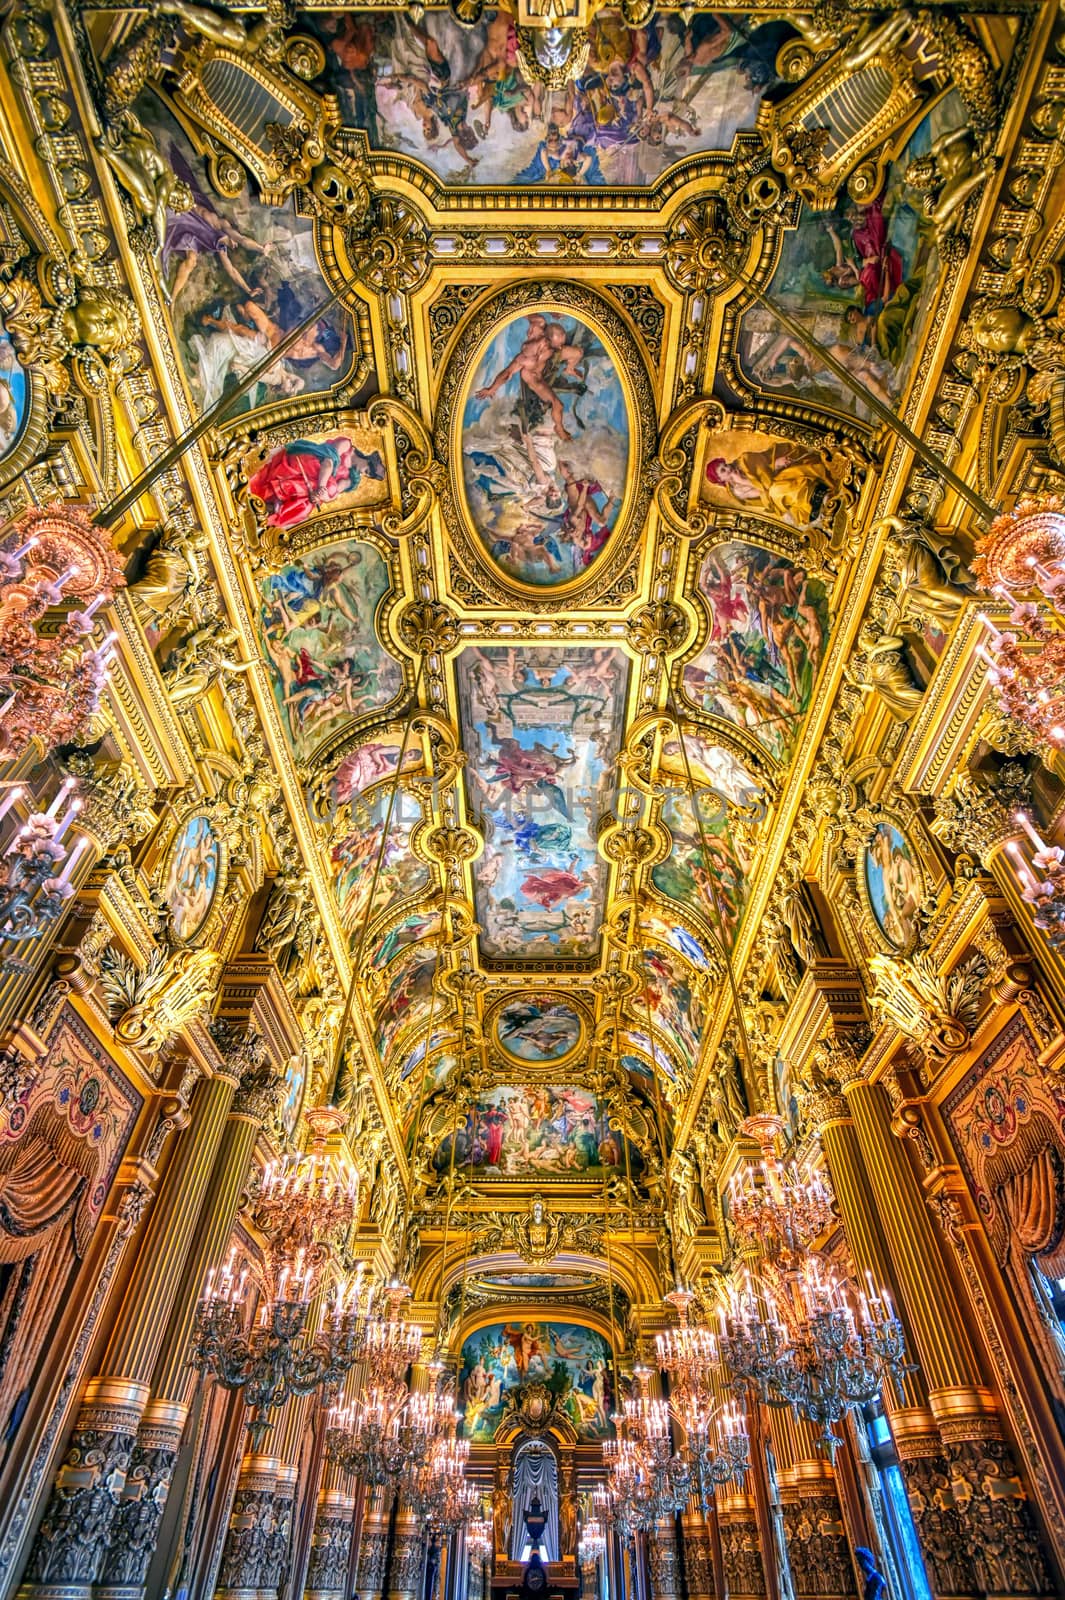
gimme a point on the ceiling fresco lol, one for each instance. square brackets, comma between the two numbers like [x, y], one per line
[543, 729]
[554, 493]
[457, 100]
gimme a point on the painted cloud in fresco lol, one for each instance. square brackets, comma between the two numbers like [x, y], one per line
[542, 729]
[456, 98]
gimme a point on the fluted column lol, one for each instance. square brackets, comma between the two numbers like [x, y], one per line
[71, 1544]
[373, 1548]
[141, 1516]
[988, 1513]
[913, 1424]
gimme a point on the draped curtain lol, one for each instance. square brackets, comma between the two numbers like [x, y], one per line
[1026, 1179]
[42, 1179]
[535, 1473]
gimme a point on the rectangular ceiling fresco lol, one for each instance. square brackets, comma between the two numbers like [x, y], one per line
[457, 97]
[542, 729]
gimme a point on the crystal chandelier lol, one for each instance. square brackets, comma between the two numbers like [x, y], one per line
[438, 1489]
[649, 1480]
[303, 1210]
[367, 1438]
[479, 1536]
[592, 1540]
[50, 682]
[810, 1342]
[35, 873]
[1045, 893]
[1022, 562]
[773, 1211]
[715, 1437]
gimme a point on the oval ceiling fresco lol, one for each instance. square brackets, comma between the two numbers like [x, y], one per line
[546, 443]
[537, 1030]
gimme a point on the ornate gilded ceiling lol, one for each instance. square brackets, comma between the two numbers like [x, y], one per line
[542, 503]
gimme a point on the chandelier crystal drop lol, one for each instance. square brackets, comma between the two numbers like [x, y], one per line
[804, 1338]
[51, 680]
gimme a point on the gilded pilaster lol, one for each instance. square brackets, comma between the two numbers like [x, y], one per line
[136, 1530]
[698, 1554]
[741, 1549]
[971, 1509]
[373, 1548]
[92, 1508]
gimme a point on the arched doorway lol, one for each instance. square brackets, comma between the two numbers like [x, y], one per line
[534, 1473]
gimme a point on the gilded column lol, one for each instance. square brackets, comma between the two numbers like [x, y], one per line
[72, 1540]
[741, 1548]
[373, 1548]
[913, 1424]
[407, 1566]
[994, 1517]
[818, 1553]
[662, 1560]
[698, 1554]
[134, 1534]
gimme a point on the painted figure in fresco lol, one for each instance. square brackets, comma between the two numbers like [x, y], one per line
[546, 359]
[304, 475]
[858, 276]
[572, 1361]
[456, 97]
[770, 623]
[543, 382]
[785, 480]
[198, 230]
[900, 884]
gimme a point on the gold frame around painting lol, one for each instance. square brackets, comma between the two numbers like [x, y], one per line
[487, 318]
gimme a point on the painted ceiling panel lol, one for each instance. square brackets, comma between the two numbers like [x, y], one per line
[543, 729]
[456, 99]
